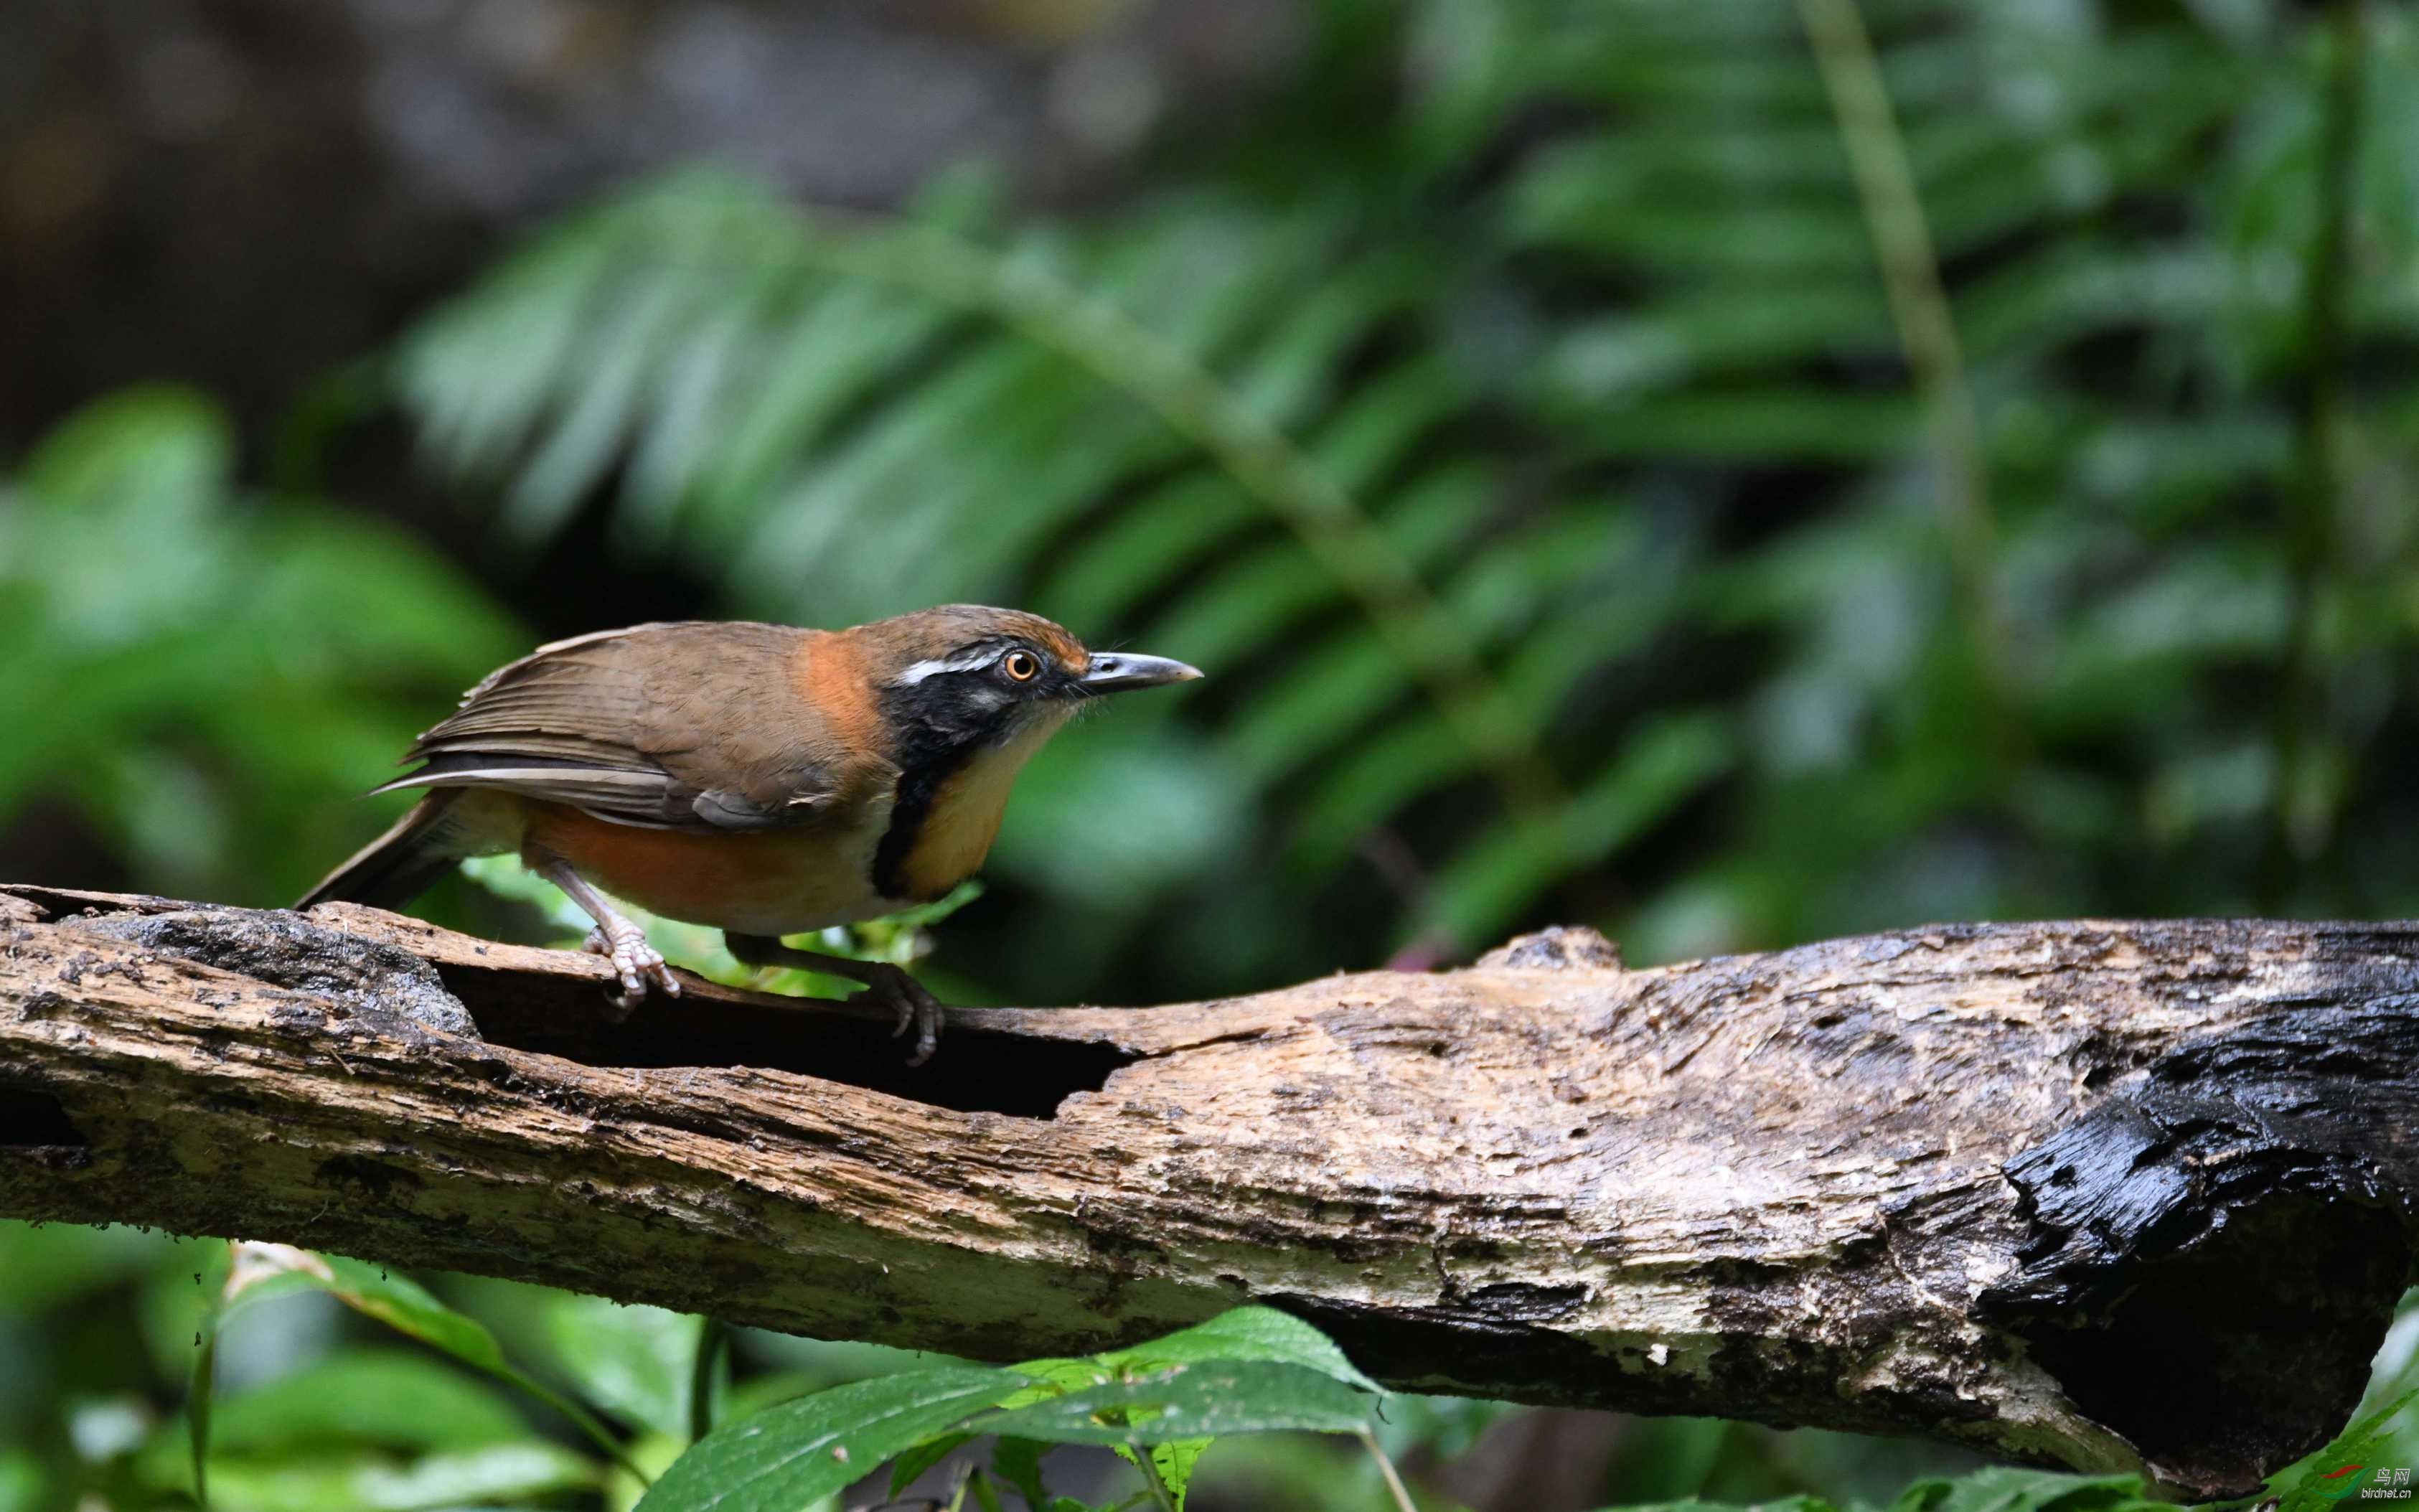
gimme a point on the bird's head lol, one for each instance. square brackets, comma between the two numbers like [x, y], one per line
[965, 677]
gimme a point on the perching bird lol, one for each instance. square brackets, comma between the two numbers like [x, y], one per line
[758, 778]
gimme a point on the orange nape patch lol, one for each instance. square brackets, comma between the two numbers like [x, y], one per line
[774, 882]
[829, 674]
[965, 811]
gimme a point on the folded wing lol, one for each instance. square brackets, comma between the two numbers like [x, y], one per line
[660, 725]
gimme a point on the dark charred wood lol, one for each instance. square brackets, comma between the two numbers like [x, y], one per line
[2234, 1228]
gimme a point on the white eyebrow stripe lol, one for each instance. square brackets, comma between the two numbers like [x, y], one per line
[964, 661]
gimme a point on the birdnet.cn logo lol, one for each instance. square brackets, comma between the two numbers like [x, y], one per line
[2363, 1483]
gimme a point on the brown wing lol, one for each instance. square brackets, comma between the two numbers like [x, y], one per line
[680, 726]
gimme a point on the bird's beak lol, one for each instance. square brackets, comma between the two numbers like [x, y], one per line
[1116, 672]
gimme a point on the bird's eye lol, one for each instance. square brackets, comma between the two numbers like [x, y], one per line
[1021, 665]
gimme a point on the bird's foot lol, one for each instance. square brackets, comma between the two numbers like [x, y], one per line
[917, 1008]
[636, 963]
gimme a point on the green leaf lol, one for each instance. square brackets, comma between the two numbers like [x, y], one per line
[1243, 1334]
[787, 1456]
[1018, 1461]
[2324, 1478]
[1055, 1378]
[1250, 1334]
[266, 1270]
[503, 1473]
[637, 1363]
[263, 1273]
[385, 1399]
[922, 1457]
[2007, 1489]
[1170, 1464]
[1197, 1401]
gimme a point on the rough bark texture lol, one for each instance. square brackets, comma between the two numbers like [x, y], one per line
[2106, 1194]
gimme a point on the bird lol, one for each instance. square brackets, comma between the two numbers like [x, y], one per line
[762, 779]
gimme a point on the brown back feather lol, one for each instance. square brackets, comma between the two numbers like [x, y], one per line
[693, 724]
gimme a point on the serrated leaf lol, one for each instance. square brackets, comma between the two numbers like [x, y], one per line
[1170, 1464]
[1251, 1335]
[1197, 1401]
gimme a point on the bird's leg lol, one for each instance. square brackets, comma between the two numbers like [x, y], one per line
[618, 940]
[884, 983]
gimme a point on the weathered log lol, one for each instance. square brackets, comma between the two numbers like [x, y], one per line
[2104, 1195]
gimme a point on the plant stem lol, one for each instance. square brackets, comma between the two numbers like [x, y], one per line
[1394, 1486]
[1927, 332]
[582, 1419]
[2298, 709]
[197, 1404]
[711, 1339]
[1158, 1492]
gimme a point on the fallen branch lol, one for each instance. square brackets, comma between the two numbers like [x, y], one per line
[2110, 1195]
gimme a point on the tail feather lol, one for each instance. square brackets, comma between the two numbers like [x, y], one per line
[400, 865]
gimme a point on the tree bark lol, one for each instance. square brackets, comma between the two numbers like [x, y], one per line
[2130, 1196]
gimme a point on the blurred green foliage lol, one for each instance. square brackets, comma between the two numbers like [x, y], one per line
[206, 676]
[315, 1405]
[1510, 413]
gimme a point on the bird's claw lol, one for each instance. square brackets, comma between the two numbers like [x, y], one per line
[638, 965]
[915, 1008]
